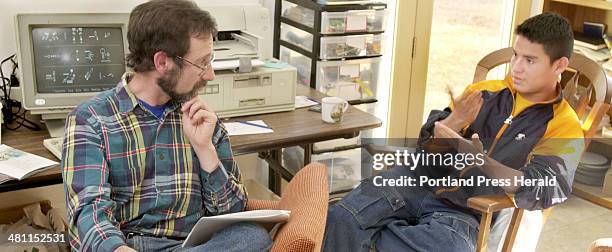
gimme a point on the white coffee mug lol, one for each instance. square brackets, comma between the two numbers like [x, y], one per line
[332, 109]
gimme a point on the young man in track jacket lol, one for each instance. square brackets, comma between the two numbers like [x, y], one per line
[528, 137]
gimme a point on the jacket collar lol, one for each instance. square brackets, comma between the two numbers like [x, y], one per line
[558, 98]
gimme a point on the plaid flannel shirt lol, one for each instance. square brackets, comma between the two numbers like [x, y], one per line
[125, 171]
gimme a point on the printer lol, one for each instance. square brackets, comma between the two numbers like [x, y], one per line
[243, 84]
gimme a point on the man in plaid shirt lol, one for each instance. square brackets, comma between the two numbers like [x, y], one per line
[144, 161]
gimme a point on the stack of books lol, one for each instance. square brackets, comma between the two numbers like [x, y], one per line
[591, 42]
[591, 46]
[596, 55]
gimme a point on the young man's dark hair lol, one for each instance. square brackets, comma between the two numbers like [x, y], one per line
[551, 30]
[170, 24]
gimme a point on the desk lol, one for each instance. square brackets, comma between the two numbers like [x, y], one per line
[293, 128]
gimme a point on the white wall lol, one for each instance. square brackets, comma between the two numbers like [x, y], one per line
[9, 8]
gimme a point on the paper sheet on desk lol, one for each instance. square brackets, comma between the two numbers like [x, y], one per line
[303, 101]
[239, 128]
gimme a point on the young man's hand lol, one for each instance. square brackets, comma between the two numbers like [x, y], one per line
[199, 122]
[473, 146]
[465, 110]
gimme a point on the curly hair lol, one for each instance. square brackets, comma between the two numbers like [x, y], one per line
[165, 25]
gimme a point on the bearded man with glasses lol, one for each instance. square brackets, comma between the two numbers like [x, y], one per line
[144, 161]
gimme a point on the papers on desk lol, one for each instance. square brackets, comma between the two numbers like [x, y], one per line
[247, 128]
[303, 101]
[595, 55]
[16, 164]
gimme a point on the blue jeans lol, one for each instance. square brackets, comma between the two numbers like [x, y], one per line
[397, 219]
[238, 237]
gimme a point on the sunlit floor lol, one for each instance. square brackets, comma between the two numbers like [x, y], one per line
[574, 224]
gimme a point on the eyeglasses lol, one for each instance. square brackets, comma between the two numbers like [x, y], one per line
[204, 68]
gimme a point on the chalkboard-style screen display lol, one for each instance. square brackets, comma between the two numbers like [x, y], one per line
[77, 59]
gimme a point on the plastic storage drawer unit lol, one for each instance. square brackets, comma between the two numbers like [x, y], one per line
[298, 13]
[299, 61]
[353, 21]
[349, 79]
[338, 47]
[296, 36]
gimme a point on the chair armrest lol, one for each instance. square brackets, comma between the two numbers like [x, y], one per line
[487, 205]
[307, 197]
[254, 204]
[490, 203]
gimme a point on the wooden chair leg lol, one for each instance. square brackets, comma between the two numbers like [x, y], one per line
[483, 232]
[515, 222]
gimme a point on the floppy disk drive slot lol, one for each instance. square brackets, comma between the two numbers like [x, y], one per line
[252, 81]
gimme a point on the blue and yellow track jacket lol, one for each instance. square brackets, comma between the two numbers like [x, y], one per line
[544, 140]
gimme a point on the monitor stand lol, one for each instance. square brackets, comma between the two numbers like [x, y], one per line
[55, 119]
[55, 127]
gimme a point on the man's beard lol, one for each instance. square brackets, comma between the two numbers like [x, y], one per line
[169, 82]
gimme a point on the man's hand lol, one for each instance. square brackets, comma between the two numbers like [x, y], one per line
[465, 110]
[124, 249]
[199, 122]
[460, 144]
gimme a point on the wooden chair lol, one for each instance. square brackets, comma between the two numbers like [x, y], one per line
[582, 73]
[307, 197]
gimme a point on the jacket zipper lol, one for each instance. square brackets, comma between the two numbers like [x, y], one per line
[507, 123]
[501, 131]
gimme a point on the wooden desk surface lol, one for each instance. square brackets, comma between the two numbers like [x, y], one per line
[291, 128]
[301, 127]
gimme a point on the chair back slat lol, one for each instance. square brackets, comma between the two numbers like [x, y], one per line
[588, 86]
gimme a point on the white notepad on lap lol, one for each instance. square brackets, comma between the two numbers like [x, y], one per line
[207, 226]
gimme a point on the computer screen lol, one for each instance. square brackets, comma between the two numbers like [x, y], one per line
[77, 59]
[67, 58]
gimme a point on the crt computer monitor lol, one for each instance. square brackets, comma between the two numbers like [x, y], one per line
[66, 58]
